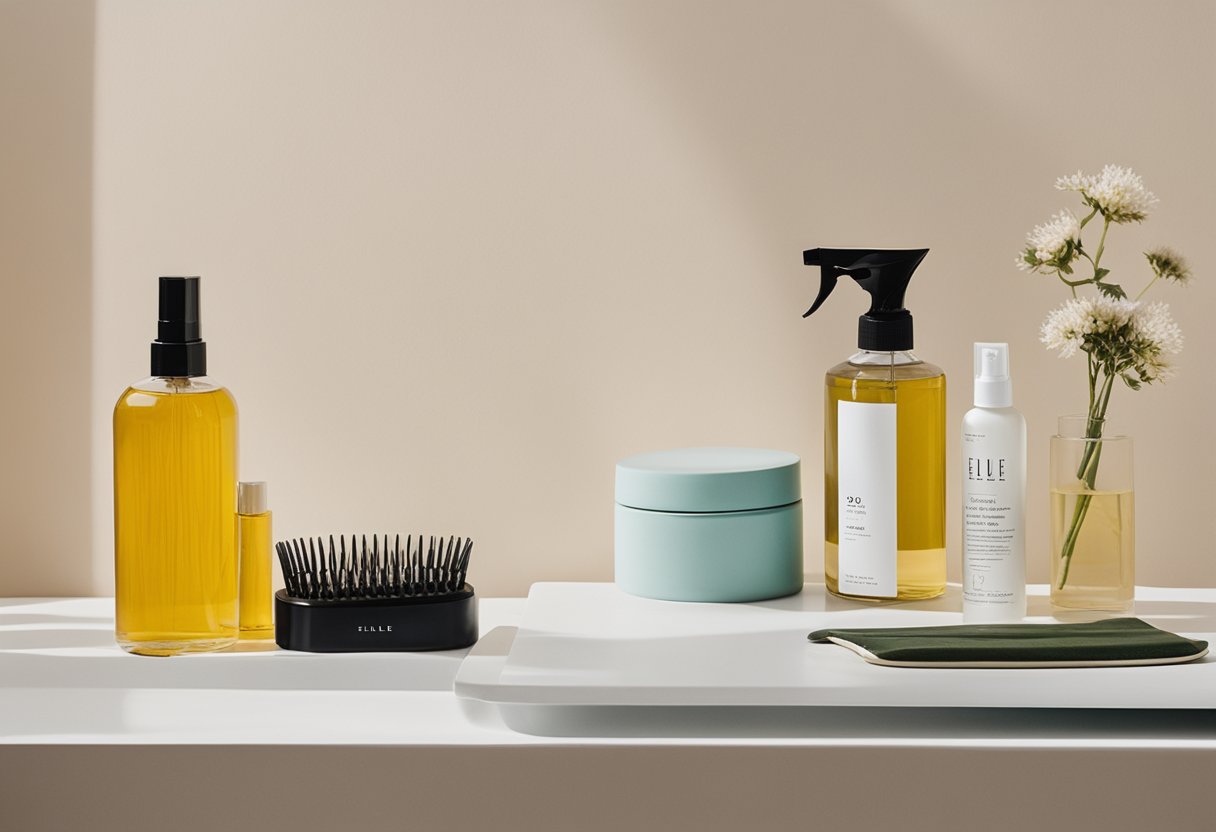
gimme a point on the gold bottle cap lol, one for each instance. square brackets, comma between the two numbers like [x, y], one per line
[251, 498]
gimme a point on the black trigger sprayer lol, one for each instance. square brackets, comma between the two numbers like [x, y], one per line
[884, 273]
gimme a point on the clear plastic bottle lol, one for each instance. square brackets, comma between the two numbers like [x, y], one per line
[994, 495]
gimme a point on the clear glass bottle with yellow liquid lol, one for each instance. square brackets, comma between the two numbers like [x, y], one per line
[254, 533]
[175, 475]
[884, 442]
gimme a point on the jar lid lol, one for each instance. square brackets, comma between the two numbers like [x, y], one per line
[708, 479]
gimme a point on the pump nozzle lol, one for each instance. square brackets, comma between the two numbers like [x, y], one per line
[993, 387]
[178, 350]
[884, 273]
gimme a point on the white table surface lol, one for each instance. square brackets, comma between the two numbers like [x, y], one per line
[93, 738]
[591, 645]
[63, 680]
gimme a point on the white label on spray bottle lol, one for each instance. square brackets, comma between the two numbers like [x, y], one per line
[994, 535]
[866, 511]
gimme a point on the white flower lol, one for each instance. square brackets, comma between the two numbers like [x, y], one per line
[1117, 192]
[1168, 264]
[1053, 244]
[1156, 337]
[1074, 182]
[1069, 326]
[1126, 338]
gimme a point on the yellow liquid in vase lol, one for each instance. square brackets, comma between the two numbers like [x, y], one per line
[1102, 571]
[918, 391]
[175, 474]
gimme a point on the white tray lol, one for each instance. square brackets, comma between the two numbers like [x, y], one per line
[590, 645]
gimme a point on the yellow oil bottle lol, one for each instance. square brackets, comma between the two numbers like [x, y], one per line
[175, 475]
[884, 442]
[253, 534]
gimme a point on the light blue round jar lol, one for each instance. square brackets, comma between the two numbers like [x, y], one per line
[709, 524]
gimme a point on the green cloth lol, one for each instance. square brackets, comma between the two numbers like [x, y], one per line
[1095, 643]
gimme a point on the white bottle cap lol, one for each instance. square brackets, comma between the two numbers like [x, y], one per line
[251, 498]
[993, 387]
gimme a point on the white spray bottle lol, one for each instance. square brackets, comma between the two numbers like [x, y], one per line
[994, 495]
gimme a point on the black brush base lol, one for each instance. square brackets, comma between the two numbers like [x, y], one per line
[370, 625]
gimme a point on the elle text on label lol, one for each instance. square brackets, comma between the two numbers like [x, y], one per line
[985, 470]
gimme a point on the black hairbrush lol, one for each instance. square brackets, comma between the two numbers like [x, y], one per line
[372, 598]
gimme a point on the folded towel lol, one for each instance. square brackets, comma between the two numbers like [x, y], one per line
[1112, 642]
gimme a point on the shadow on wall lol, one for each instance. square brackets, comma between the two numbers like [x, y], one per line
[46, 361]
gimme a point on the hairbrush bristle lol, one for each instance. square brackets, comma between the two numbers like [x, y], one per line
[375, 571]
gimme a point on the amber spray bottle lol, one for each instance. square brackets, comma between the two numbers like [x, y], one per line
[254, 533]
[884, 441]
[175, 474]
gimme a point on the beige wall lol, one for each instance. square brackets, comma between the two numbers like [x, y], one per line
[46, 320]
[459, 258]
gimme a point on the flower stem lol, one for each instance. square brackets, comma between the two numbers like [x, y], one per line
[1101, 242]
[1080, 511]
[1147, 286]
[1075, 283]
[1087, 470]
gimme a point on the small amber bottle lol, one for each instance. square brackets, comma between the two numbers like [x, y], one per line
[253, 527]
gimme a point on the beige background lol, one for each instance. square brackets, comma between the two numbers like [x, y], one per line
[459, 258]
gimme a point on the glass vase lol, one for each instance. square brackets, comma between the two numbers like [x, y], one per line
[1093, 524]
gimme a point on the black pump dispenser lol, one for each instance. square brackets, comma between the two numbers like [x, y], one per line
[884, 273]
[179, 350]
